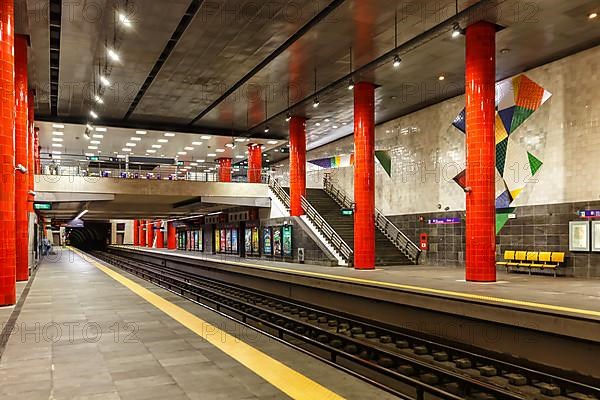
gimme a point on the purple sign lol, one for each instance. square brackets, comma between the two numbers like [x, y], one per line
[444, 221]
[589, 213]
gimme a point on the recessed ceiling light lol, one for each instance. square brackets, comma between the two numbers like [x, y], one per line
[113, 55]
[220, 150]
[104, 80]
[56, 133]
[95, 142]
[126, 149]
[197, 143]
[194, 164]
[151, 151]
[56, 152]
[239, 156]
[130, 144]
[239, 140]
[199, 161]
[121, 156]
[344, 123]
[230, 145]
[272, 142]
[135, 139]
[57, 145]
[124, 20]
[316, 103]
[58, 126]
[205, 137]
[169, 134]
[504, 51]
[318, 124]
[101, 129]
[156, 146]
[397, 61]
[326, 119]
[182, 153]
[93, 114]
[441, 78]
[163, 140]
[57, 139]
[188, 148]
[335, 127]
[593, 15]
[89, 154]
[92, 147]
[141, 132]
[98, 136]
[98, 99]
[211, 155]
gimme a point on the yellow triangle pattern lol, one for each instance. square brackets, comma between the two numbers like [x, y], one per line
[501, 133]
[516, 86]
[515, 193]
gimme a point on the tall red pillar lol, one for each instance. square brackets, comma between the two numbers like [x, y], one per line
[136, 232]
[364, 176]
[480, 80]
[149, 233]
[171, 236]
[254, 163]
[160, 237]
[7, 155]
[30, 151]
[142, 233]
[224, 169]
[297, 165]
[21, 178]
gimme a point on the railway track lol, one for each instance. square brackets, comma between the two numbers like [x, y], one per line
[400, 363]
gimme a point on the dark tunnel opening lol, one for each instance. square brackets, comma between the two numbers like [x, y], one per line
[93, 236]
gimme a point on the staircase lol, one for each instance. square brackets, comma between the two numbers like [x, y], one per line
[386, 252]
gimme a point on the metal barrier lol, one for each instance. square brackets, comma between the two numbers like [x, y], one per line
[387, 227]
[281, 194]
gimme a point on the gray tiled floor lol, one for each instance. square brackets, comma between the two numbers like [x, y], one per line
[561, 291]
[82, 335]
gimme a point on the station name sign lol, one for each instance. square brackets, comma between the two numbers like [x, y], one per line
[42, 206]
[444, 221]
[589, 213]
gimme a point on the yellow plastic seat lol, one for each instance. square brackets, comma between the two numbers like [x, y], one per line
[532, 257]
[509, 255]
[520, 256]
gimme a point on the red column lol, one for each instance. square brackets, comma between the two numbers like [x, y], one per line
[171, 236]
[160, 237]
[297, 164]
[149, 233]
[21, 179]
[136, 232]
[364, 175]
[142, 233]
[254, 163]
[30, 151]
[481, 152]
[7, 155]
[224, 169]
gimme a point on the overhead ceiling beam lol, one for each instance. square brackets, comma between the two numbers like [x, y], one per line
[55, 22]
[181, 27]
[289, 42]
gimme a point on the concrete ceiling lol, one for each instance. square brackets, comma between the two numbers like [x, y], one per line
[232, 67]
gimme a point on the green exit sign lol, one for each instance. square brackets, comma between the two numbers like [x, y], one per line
[180, 163]
[42, 206]
[347, 211]
[93, 158]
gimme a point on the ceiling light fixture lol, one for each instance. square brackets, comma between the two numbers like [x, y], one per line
[58, 126]
[211, 155]
[267, 129]
[104, 80]
[197, 143]
[157, 146]
[204, 137]
[351, 80]
[95, 142]
[98, 136]
[169, 134]
[351, 84]
[124, 20]
[135, 139]
[397, 61]
[593, 15]
[93, 114]
[92, 147]
[163, 140]
[220, 150]
[140, 132]
[100, 129]
[288, 117]
[57, 133]
[188, 148]
[441, 78]
[57, 139]
[126, 149]
[130, 144]
[113, 55]
[182, 153]
[151, 151]
[98, 99]
[316, 103]
[316, 100]
[456, 30]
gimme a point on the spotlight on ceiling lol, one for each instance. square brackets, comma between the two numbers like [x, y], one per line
[93, 114]
[593, 15]
[113, 55]
[351, 84]
[456, 30]
[98, 99]
[288, 117]
[267, 129]
[397, 61]
[124, 19]
[104, 80]
[316, 103]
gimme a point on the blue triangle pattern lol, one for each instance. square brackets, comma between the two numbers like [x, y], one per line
[460, 121]
[503, 201]
[506, 116]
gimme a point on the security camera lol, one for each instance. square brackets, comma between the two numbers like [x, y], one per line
[31, 192]
[21, 169]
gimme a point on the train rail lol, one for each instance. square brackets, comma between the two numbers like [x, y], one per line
[403, 364]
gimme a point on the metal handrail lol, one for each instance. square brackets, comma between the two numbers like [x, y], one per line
[279, 191]
[327, 231]
[383, 223]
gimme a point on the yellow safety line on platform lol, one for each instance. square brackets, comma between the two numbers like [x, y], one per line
[417, 288]
[289, 381]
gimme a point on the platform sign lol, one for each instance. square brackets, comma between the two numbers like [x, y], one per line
[42, 206]
[444, 221]
[288, 250]
[589, 213]
[347, 212]
[93, 158]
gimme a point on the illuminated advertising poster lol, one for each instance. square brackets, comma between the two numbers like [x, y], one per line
[217, 241]
[267, 242]
[201, 239]
[234, 241]
[223, 241]
[228, 244]
[248, 241]
[288, 251]
[189, 240]
[277, 241]
[255, 241]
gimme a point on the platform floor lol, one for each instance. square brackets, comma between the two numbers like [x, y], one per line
[571, 296]
[87, 331]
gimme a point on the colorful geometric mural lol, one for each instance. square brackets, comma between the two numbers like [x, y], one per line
[385, 159]
[334, 162]
[516, 100]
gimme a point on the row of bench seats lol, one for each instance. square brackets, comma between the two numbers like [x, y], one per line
[532, 259]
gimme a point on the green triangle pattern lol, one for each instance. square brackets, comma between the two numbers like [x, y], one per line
[520, 115]
[385, 160]
[501, 220]
[534, 163]
[501, 156]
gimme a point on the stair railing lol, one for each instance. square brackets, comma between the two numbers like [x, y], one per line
[387, 227]
[316, 219]
[327, 231]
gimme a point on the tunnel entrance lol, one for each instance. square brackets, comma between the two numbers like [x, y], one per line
[93, 236]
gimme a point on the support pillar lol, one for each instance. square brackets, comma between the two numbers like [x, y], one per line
[160, 237]
[224, 169]
[30, 151]
[149, 233]
[171, 236]
[364, 176]
[297, 165]
[142, 233]
[480, 80]
[136, 232]
[21, 158]
[254, 163]
[7, 155]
